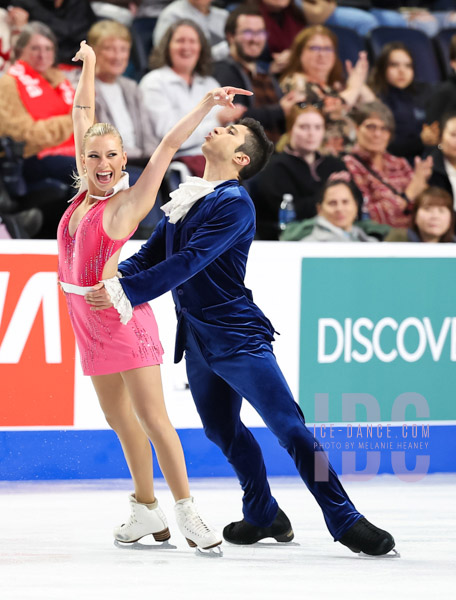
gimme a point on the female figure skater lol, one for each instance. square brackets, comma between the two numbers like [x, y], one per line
[121, 351]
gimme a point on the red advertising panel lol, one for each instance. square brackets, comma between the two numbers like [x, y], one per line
[37, 347]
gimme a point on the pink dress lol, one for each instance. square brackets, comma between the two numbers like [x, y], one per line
[104, 343]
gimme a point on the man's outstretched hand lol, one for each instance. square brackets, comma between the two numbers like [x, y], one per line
[99, 299]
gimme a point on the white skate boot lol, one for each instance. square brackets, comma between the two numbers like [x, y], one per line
[192, 526]
[144, 519]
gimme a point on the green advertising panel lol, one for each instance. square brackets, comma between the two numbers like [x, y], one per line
[378, 339]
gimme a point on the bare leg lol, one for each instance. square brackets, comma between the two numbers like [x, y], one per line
[118, 410]
[145, 389]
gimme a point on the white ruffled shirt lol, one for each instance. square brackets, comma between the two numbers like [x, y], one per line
[188, 192]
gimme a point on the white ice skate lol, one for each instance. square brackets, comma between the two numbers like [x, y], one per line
[193, 528]
[145, 519]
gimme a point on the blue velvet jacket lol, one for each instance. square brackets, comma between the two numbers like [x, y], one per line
[202, 260]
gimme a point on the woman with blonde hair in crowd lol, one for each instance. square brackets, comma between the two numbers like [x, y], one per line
[119, 347]
[118, 99]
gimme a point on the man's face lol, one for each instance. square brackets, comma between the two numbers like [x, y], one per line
[221, 142]
[250, 37]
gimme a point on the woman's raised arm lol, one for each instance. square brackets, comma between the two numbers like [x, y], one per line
[147, 186]
[84, 99]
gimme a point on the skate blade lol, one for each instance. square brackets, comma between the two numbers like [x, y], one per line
[391, 554]
[192, 544]
[213, 552]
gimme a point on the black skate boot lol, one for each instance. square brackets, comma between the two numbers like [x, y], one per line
[243, 533]
[365, 537]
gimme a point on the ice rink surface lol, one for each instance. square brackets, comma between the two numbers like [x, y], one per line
[56, 543]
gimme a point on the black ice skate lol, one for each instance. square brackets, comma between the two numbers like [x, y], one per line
[363, 537]
[243, 533]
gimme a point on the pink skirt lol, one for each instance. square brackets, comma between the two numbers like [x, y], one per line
[106, 345]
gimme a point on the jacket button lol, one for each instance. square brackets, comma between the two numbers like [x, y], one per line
[180, 291]
[184, 310]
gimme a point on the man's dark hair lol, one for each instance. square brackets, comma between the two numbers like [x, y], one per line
[257, 146]
[243, 9]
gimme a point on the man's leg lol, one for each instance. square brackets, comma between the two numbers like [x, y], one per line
[219, 406]
[258, 379]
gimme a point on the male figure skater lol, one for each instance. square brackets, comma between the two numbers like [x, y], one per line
[199, 252]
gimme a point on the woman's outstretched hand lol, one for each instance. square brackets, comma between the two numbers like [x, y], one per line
[84, 51]
[224, 96]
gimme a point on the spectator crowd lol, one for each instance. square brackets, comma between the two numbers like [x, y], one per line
[365, 137]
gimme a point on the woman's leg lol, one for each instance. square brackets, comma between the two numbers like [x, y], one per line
[118, 410]
[146, 393]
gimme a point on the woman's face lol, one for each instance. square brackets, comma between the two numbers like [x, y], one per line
[184, 49]
[104, 159]
[432, 222]
[39, 53]
[373, 135]
[318, 58]
[339, 207]
[307, 132]
[448, 141]
[399, 72]
[113, 54]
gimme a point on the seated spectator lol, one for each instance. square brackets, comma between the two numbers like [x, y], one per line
[337, 210]
[246, 35]
[299, 170]
[315, 70]
[442, 101]
[119, 100]
[388, 183]
[69, 20]
[12, 20]
[179, 78]
[38, 113]
[210, 19]
[283, 19]
[444, 157]
[392, 79]
[432, 221]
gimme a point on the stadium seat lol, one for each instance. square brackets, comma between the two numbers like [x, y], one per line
[350, 43]
[427, 67]
[442, 45]
[144, 27]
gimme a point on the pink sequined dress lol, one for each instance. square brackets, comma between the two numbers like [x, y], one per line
[105, 344]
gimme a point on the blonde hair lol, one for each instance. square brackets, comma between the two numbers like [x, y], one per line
[105, 29]
[96, 130]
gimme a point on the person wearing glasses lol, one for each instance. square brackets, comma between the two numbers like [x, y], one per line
[315, 70]
[388, 184]
[246, 34]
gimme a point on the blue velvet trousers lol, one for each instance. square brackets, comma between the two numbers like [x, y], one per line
[218, 385]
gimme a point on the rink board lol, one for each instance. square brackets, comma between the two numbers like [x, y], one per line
[373, 415]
